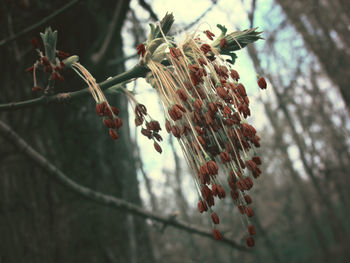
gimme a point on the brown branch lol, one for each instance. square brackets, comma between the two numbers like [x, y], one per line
[100, 198]
[252, 13]
[38, 24]
[236, 40]
[148, 8]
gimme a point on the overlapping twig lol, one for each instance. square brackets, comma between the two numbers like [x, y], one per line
[38, 24]
[101, 198]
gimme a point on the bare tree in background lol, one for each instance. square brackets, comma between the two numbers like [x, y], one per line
[324, 26]
[305, 117]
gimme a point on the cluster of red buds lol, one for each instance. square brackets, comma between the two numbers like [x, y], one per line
[53, 64]
[109, 113]
[141, 49]
[110, 118]
[206, 108]
[53, 67]
[262, 83]
[151, 128]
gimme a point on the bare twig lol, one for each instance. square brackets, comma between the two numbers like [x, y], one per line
[96, 57]
[178, 189]
[121, 60]
[15, 46]
[38, 24]
[201, 16]
[148, 8]
[235, 41]
[148, 182]
[252, 13]
[100, 198]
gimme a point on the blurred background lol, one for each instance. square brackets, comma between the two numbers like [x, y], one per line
[301, 200]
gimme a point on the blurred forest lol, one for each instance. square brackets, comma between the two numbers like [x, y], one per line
[301, 201]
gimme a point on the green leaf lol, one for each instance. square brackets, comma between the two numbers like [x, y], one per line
[50, 40]
[165, 24]
[222, 28]
[232, 55]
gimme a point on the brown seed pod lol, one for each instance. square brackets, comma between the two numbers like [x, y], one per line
[215, 218]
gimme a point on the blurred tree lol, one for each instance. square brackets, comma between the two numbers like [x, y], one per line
[324, 26]
[303, 118]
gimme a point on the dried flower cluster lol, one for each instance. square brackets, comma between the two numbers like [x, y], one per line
[206, 107]
[103, 109]
[150, 127]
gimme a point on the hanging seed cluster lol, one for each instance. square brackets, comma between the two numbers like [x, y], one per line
[108, 113]
[150, 128]
[206, 107]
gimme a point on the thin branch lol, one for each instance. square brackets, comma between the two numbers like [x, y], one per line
[105, 200]
[148, 182]
[252, 13]
[236, 40]
[148, 8]
[96, 57]
[201, 16]
[38, 24]
[135, 72]
[178, 189]
[121, 60]
[15, 46]
[137, 31]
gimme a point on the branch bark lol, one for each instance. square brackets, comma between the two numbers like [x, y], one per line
[135, 72]
[100, 198]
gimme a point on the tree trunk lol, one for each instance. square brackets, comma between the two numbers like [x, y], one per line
[41, 220]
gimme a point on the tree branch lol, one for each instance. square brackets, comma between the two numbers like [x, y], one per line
[38, 24]
[135, 72]
[96, 57]
[148, 8]
[105, 200]
[236, 41]
[252, 13]
[214, 2]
